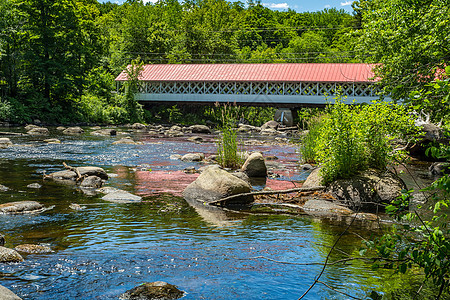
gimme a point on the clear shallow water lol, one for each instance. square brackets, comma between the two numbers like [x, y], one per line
[108, 248]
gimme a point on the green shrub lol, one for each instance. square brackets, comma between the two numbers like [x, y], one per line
[353, 138]
[5, 110]
[227, 143]
[308, 144]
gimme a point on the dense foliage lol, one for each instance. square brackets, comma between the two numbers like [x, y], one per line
[59, 58]
[349, 139]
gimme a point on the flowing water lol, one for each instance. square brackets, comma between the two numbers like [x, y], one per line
[107, 248]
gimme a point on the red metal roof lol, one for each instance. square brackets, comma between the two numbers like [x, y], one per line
[256, 72]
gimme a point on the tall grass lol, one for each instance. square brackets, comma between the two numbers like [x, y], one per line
[227, 143]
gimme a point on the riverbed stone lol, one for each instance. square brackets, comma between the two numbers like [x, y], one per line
[325, 208]
[126, 141]
[199, 129]
[38, 131]
[30, 248]
[174, 133]
[268, 131]
[193, 157]
[84, 171]
[3, 188]
[138, 126]
[214, 184]
[270, 125]
[314, 179]
[255, 166]
[76, 130]
[7, 294]
[175, 156]
[34, 186]
[104, 132]
[20, 207]
[60, 128]
[31, 126]
[157, 290]
[9, 255]
[92, 182]
[117, 195]
[196, 139]
[5, 143]
[52, 141]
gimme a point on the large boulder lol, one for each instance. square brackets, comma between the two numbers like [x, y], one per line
[255, 166]
[157, 290]
[9, 255]
[6, 294]
[21, 207]
[199, 129]
[84, 171]
[214, 184]
[73, 130]
[38, 131]
[368, 191]
[92, 182]
[5, 142]
[431, 135]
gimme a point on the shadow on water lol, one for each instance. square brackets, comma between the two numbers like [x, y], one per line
[107, 248]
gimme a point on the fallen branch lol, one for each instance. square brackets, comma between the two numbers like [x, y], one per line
[73, 169]
[311, 189]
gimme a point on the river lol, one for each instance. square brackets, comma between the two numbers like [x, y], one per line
[107, 248]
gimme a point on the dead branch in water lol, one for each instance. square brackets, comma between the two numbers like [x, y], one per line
[73, 169]
[311, 189]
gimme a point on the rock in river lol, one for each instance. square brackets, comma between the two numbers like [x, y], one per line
[92, 182]
[214, 184]
[21, 207]
[157, 290]
[29, 248]
[73, 130]
[6, 294]
[193, 157]
[38, 131]
[116, 195]
[84, 171]
[255, 166]
[9, 255]
[5, 142]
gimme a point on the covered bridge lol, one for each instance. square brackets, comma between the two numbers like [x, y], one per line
[279, 85]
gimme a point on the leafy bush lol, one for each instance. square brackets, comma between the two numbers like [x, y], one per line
[309, 142]
[353, 138]
[5, 110]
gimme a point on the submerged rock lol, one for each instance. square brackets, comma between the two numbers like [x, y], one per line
[52, 141]
[325, 208]
[75, 206]
[7, 294]
[214, 184]
[31, 126]
[255, 166]
[9, 255]
[116, 195]
[3, 188]
[157, 290]
[34, 186]
[21, 207]
[126, 140]
[29, 248]
[104, 132]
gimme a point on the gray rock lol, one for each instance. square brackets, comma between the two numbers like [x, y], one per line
[84, 171]
[174, 133]
[92, 182]
[38, 131]
[175, 157]
[76, 206]
[73, 130]
[199, 129]
[9, 255]
[196, 139]
[214, 184]
[314, 179]
[157, 290]
[30, 126]
[244, 128]
[138, 126]
[5, 143]
[242, 175]
[29, 248]
[34, 186]
[21, 207]
[193, 157]
[116, 195]
[60, 128]
[3, 188]
[325, 208]
[7, 294]
[104, 132]
[255, 166]
[52, 141]
[439, 168]
[270, 125]
[2, 240]
[126, 140]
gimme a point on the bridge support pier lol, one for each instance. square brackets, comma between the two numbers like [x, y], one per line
[285, 116]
